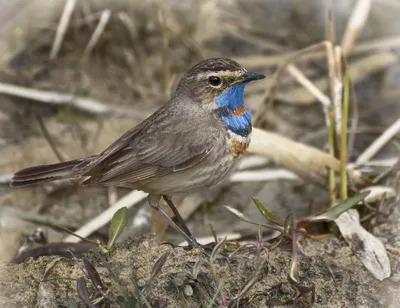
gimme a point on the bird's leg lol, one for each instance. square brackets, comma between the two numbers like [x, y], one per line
[180, 220]
[154, 203]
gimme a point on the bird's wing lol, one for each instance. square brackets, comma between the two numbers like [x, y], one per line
[168, 144]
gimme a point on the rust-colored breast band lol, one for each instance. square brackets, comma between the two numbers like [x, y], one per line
[238, 148]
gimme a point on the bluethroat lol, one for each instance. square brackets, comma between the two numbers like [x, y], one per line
[191, 142]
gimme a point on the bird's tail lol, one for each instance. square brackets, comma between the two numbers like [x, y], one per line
[48, 173]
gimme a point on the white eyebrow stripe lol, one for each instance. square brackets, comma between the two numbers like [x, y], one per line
[220, 74]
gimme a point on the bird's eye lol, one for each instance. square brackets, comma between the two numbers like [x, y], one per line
[214, 81]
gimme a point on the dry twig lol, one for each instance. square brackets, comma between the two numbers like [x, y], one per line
[84, 104]
[303, 160]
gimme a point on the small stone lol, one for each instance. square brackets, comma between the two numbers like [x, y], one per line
[178, 281]
[188, 290]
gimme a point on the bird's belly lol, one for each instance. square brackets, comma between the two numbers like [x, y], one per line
[208, 173]
[219, 173]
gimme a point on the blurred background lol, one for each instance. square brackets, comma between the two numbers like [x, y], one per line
[75, 75]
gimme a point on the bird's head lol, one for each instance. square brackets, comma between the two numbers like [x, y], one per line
[216, 82]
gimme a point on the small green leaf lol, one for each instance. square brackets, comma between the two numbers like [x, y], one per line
[118, 224]
[267, 214]
[288, 226]
[334, 212]
[120, 300]
[241, 216]
[127, 300]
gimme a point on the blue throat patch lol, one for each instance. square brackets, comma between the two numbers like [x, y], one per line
[229, 102]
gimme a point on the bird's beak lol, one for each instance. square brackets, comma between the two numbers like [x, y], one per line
[248, 76]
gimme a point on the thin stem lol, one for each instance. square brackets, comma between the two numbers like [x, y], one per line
[332, 180]
[331, 111]
[49, 139]
[343, 139]
[165, 51]
[294, 245]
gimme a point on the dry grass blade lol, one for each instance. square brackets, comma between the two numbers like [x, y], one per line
[263, 175]
[252, 161]
[62, 27]
[309, 85]
[356, 22]
[216, 250]
[378, 44]
[338, 89]
[378, 144]
[105, 17]
[386, 162]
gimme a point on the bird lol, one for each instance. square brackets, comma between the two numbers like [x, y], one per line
[190, 143]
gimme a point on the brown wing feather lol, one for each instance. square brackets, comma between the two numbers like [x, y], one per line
[156, 149]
